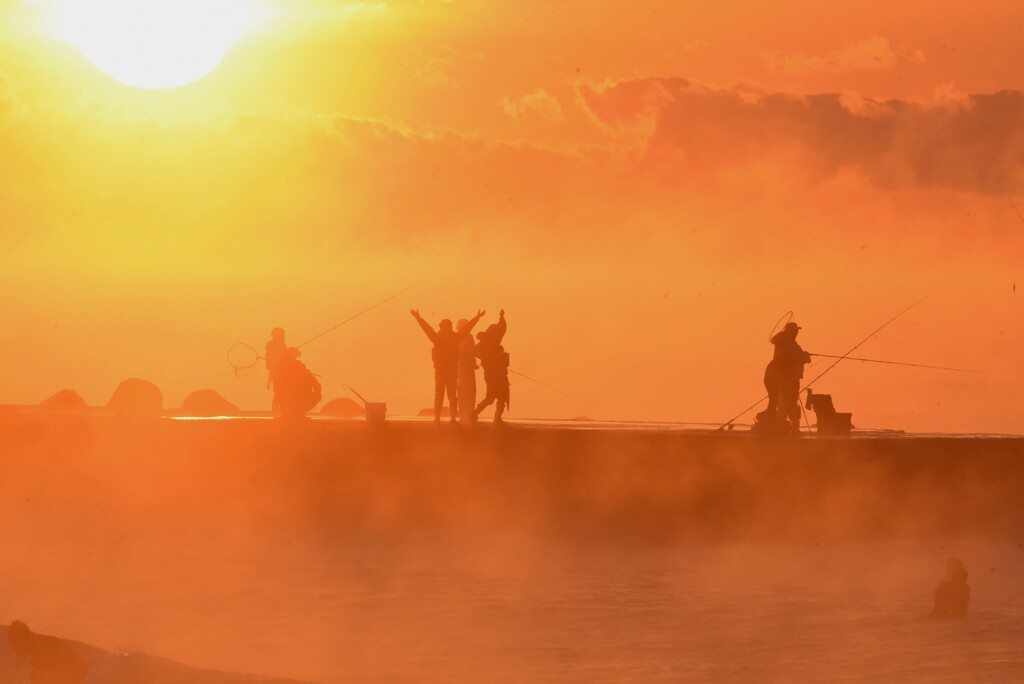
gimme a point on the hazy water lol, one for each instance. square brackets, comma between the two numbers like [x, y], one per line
[515, 611]
[339, 555]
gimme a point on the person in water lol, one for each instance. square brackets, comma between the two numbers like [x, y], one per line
[782, 379]
[953, 593]
[44, 659]
[466, 389]
[495, 361]
[446, 360]
[296, 389]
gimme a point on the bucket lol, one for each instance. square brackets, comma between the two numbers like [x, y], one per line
[376, 412]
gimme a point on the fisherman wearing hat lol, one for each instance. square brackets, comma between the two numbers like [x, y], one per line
[782, 379]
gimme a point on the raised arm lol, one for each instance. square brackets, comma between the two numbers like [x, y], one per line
[472, 322]
[423, 324]
[502, 326]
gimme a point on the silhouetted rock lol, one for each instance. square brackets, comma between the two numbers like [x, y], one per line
[343, 408]
[137, 397]
[207, 402]
[583, 419]
[65, 400]
[429, 412]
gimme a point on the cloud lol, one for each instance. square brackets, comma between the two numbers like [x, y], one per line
[973, 142]
[434, 71]
[871, 54]
[539, 103]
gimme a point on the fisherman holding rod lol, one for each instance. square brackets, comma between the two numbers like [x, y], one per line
[782, 380]
[775, 376]
[296, 388]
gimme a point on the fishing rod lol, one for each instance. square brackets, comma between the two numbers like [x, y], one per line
[352, 318]
[353, 391]
[1014, 205]
[856, 346]
[242, 356]
[819, 376]
[896, 363]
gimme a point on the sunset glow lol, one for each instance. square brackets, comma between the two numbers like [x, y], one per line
[618, 176]
[154, 43]
[511, 341]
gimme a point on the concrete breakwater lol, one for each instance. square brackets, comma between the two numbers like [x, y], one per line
[408, 479]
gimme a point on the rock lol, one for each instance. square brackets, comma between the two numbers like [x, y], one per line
[137, 397]
[207, 402]
[65, 400]
[343, 408]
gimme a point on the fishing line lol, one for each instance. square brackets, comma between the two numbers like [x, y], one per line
[544, 384]
[897, 363]
[856, 346]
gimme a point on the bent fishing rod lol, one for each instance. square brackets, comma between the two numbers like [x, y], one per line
[834, 364]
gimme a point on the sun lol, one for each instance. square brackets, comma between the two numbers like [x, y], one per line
[154, 43]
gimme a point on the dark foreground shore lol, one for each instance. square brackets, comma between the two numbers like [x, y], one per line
[56, 659]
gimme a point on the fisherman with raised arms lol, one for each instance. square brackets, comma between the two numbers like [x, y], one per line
[446, 360]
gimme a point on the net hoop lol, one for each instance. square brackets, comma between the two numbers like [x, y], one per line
[786, 318]
[243, 357]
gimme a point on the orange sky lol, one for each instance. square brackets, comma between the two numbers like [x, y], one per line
[645, 187]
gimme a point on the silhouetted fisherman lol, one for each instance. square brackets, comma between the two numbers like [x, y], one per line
[494, 360]
[296, 389]
[466, 389]
[446, 360]
[782, 379]
[44, 659]
[275, 354]
[953, 593]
